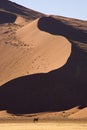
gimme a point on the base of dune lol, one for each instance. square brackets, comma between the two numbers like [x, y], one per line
[40, 57]
[28, 48]
[73, 115]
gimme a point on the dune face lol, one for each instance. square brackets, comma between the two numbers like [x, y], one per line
[6, 17]
[47, 47]
[19, 10]
[79, 115]
[43, 62]
[54, 91]
[57, 27]
[11, 12]
[3, 2]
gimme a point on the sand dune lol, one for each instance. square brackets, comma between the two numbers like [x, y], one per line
[11, 12]
[54, 50]
[21, 21]
[49, 55]
[39, 52]
[19, 10]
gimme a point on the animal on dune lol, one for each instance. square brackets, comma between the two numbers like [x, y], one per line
[35, 119]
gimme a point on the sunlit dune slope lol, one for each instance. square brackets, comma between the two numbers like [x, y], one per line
[55, 50]
[34, 51]
[82, 114]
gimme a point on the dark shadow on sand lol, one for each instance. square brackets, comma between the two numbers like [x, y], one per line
[57, 90]
[6, 17]
[57, 27]
[54, 91]
[12, 7]
[19, 10]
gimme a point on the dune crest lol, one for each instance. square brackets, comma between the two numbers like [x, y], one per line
[55, 50]
[42, 52]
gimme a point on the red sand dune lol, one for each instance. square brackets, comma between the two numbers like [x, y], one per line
[44, 58]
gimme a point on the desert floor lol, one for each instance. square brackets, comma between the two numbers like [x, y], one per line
[43, 126]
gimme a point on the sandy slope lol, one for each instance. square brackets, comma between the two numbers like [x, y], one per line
[21, 21]
[28, 50]
[79, 115]
[29, 46]
[42, 52]
[67, 115]
[36, 52]
[54, 50]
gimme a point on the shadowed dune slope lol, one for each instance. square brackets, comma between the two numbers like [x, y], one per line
[61, 89]
[6, 17]
[11, 12]
[58, 27]
[53, 55]
[19, 10]
[41, 51]
[58, 90]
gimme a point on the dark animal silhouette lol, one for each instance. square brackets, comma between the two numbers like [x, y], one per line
[35, 119]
